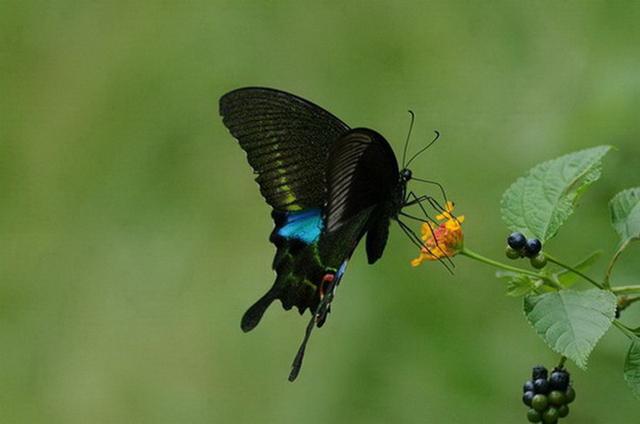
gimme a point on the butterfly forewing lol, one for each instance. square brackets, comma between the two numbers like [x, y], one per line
[362, 172]
[287, 140]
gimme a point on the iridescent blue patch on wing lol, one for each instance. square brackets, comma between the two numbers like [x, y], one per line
[304, 225]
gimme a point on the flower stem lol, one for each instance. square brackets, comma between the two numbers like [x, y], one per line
[575, 271]
[473, 255]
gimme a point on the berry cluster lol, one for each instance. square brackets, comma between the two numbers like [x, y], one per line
[519, 246]
[549, 397]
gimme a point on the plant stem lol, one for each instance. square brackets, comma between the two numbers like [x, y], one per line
[575, 271]
[563, 359]
[626, 289]
[473, 255]
[612, 262]
[625, 330]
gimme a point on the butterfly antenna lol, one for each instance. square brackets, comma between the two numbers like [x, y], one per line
[424, 148]
[406, 142]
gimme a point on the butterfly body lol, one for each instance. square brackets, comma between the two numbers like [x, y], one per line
[329, 186]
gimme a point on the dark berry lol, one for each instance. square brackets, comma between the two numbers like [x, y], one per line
[563, 411]
[539, 261]
[557, 398]
[541, 386]
[559, 380]
[516, 241]
[532, 247]
[528, 386]
[550, 416]
[539, 372]
[570, 394]
[512, 253]
[527, 398]
[534, 416]
[539, 403]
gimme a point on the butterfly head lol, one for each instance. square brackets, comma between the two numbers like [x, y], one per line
[405, 175]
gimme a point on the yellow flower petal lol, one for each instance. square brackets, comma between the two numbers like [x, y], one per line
[443, 240]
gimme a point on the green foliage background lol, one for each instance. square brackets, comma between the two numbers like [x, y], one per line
[132, 235]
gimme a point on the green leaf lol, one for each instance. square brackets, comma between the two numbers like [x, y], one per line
[568, 278]
[625, 214]
[571, 322]
[517, 284]
[520, 286]
[632, 368]
[541, 201]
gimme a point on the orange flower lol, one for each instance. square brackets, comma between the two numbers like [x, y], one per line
[441, 240]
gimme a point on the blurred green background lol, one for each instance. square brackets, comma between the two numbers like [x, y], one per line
[133, 237]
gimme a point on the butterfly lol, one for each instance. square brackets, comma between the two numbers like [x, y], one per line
[329, 186]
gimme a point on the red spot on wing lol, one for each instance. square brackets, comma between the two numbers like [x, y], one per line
[326, 283]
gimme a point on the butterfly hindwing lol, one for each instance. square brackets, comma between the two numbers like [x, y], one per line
[287, 140]
[297, 264]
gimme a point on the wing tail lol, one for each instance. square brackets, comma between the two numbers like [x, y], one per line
[252, 317]
[328, 287]
[297, 361]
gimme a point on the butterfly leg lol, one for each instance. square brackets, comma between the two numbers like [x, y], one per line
[412, 199]
[415, 218]
[442, 191]
[415, 239]
[426, 198]
[418, 200]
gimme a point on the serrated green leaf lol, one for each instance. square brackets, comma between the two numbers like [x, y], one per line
[541, 201]
[625, 214]
[571, 322]
[632, 368]
[568, 278]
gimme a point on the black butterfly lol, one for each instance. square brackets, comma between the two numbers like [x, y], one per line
[328, 185]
